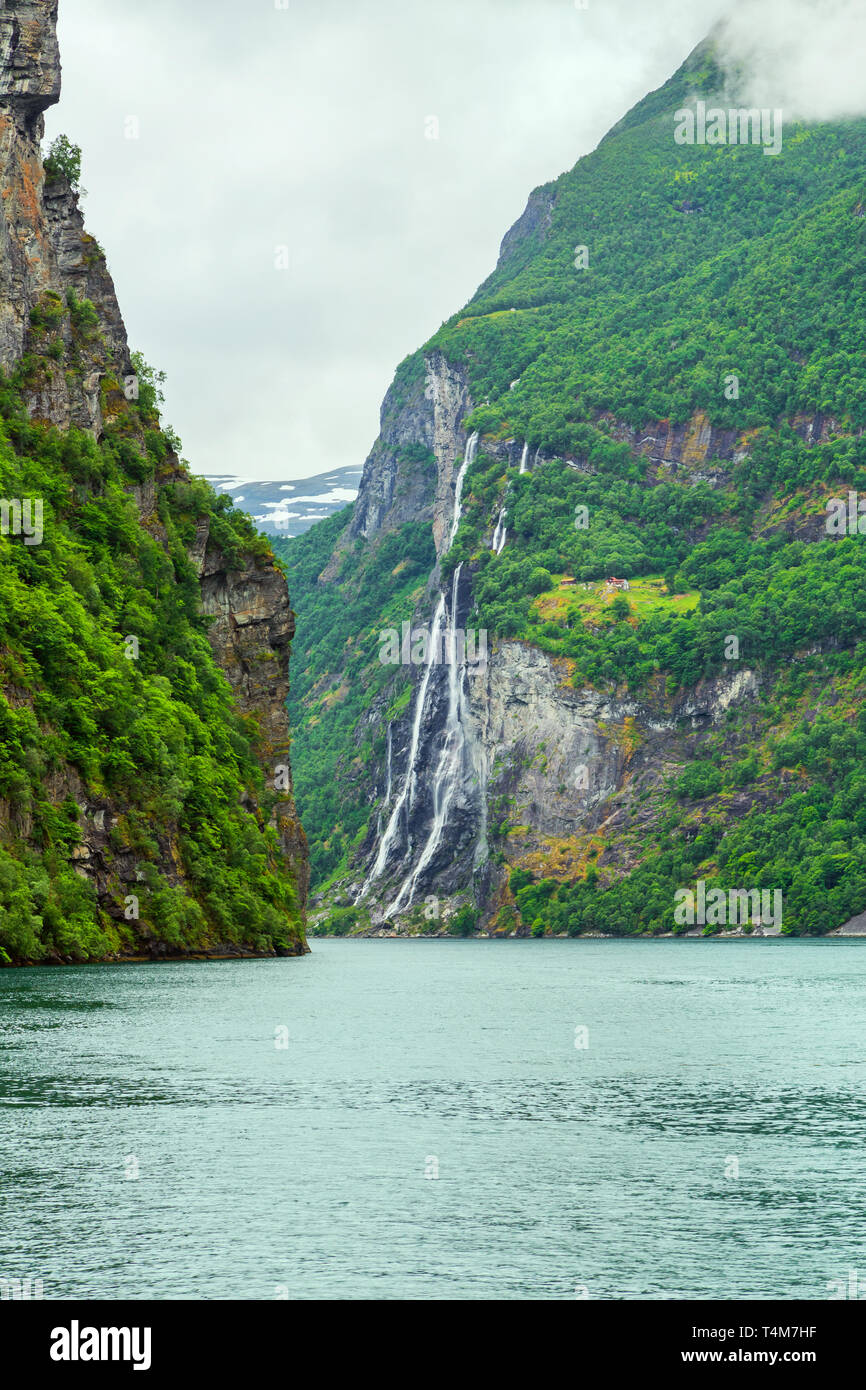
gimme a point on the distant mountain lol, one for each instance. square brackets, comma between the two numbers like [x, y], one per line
[290, 509]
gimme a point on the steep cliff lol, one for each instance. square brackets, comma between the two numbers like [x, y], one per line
[146, 800]
[624, 455]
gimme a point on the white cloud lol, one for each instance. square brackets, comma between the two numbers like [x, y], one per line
[805, 57]
[306, 127]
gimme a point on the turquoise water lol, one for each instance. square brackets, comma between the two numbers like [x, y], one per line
[300, 1170]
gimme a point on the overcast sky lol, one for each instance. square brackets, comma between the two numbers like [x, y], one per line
[306, 126]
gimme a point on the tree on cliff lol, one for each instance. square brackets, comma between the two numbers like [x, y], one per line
[63, 160]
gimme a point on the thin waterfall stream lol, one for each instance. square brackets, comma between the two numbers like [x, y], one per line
[500, 535]
[442, 632]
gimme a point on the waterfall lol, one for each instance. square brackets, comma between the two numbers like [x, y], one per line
[437, 634]
[393, 827]
[501, 532]
[447, 772]
[388, 772]
[468, 456]
[387, 797]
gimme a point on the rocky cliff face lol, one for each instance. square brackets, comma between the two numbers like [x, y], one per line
[46, 252]
[410, 472]
[569, 763]
[48, 265]
[251, 634]
[29, 83]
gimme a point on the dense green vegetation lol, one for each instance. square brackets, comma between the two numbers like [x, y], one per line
[336, 674]
[111, 696]
[774, 593]
[705, 263]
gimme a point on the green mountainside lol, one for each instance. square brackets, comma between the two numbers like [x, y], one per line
[693, 398]
[146, 804]
[150, 730]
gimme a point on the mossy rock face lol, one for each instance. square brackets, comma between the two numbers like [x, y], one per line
[132, 768]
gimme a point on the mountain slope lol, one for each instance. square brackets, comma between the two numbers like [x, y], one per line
[146, 803]
[662, 383]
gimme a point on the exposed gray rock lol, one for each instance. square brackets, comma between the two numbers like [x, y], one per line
[553, 759]
[409, 473]
[855, 926]
[45, 252]
[532, 225]
[29, 56]
[251, 634]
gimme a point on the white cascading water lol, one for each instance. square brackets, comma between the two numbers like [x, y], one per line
[387, 800]
[393, 827]
[500, 535]
[468, 456]
[437, 633]
[447, 771]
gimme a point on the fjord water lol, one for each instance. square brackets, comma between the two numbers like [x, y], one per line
[267, 1171]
